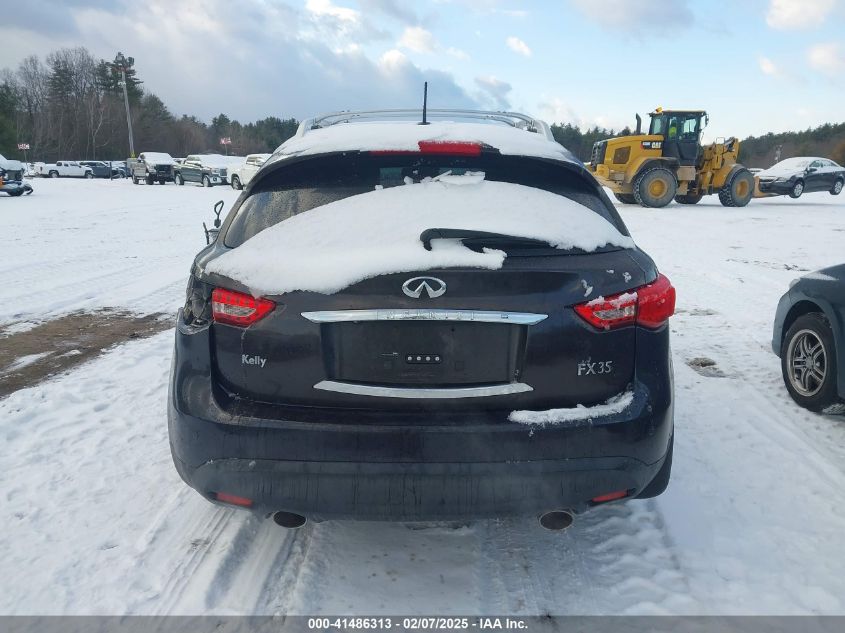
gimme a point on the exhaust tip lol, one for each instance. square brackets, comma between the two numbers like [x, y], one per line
[289, 520]
[557, 520]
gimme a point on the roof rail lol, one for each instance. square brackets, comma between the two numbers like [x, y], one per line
[514, 119]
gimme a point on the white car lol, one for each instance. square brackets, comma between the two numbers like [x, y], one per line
[64, 169]
[241, 175]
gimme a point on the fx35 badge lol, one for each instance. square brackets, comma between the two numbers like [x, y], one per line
[590, 368]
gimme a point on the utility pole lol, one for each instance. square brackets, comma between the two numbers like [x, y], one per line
[120, 64]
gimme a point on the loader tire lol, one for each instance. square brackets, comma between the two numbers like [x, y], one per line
[739, 189]
[655, 187]
[625, 198]
[689, 199]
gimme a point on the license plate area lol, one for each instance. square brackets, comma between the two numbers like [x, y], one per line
[423, 352]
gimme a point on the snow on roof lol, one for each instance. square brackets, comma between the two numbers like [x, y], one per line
[406, 135]
[219, 160]
[575, 415]
[161, 158]
[377, 233]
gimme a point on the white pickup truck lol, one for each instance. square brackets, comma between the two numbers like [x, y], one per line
[243, 173]
[64, 169]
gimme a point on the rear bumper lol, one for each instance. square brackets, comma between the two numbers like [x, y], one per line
[417, 492]
[421, 466]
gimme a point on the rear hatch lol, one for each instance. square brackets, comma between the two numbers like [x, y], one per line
[501, 339]
[437, 339]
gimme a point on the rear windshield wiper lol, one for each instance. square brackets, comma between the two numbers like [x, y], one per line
[479, 237]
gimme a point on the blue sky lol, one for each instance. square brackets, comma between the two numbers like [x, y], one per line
[755, 65]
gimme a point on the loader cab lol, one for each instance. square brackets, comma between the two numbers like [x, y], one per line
[681, 132]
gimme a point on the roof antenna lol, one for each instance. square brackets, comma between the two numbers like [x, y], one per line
[425, 103]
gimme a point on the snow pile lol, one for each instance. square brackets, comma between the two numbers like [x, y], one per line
[580, 413]
[348, 137]
[376, 233]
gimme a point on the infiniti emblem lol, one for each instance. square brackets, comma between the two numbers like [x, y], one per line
[432, 286]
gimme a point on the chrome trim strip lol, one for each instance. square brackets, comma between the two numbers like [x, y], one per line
[422, 392]
[422, 314]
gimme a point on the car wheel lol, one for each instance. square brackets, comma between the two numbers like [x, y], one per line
[655, 187]
[837, 187]
[661, 480]
[236, 183]
[178, 179]
[89, 175]
[738, 190]
[134, 180]
[149, 180]
[54, 174]
[808, 363]
[797, 189]
[161, 182]
[206, 181]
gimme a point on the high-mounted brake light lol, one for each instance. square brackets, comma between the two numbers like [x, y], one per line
[237, 308]
[649, 306]
[453, 148]
[447, 148]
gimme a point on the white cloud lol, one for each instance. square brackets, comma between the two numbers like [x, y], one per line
[393, 61]
[556, 110]
[518, 46]
[419, 40]
[798, 14]
[495, 90]
[827, 58]
[326, 8]
[638, 15]
[457, 53]
[273, 60]
[767, 66]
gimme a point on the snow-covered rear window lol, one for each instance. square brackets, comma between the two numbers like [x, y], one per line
[311, 183]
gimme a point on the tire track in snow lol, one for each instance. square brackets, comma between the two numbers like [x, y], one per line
[607, 562]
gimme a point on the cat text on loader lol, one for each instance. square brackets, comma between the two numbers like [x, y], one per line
[670, 162]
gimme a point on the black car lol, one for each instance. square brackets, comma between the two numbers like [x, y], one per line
[393, 398]
[796, 176]
[809, 337]
[99, 168]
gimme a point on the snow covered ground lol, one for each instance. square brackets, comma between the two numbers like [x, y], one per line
[95, 519]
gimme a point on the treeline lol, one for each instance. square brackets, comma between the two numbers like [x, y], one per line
[71, 106]
[826, 140]
[581, 143]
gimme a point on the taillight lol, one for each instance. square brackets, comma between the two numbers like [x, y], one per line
[655, 302]
[610, 312]
[237, 308]
[649, 306]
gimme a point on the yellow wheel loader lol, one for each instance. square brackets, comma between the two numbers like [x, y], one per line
[670, 163]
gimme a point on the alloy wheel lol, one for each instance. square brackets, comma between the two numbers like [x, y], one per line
[807, 359]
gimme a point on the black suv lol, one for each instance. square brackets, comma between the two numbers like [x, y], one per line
[540, 388]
